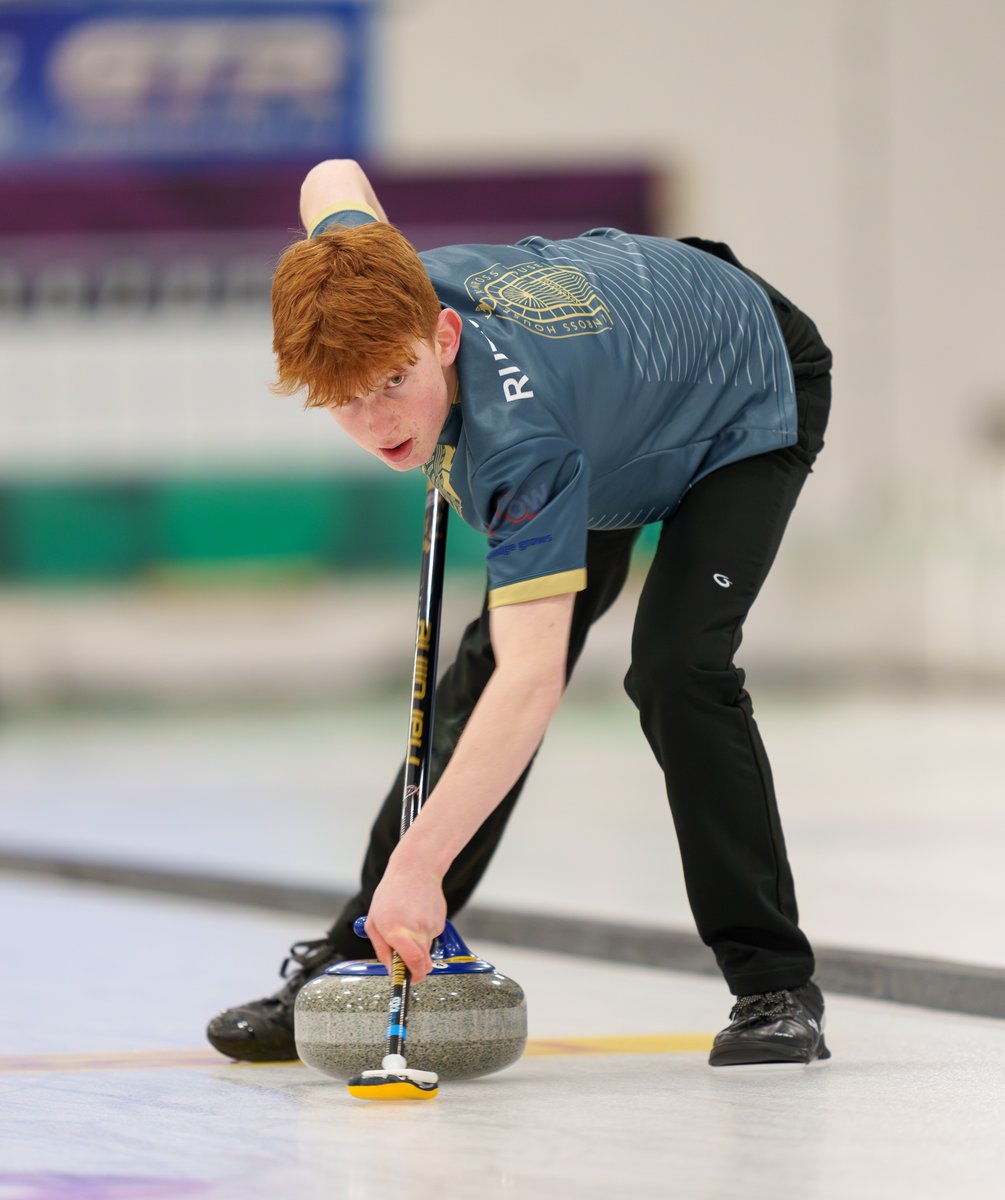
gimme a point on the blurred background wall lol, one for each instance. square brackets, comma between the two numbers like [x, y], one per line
[168, 527]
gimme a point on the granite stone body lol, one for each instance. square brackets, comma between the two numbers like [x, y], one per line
[459, 1025]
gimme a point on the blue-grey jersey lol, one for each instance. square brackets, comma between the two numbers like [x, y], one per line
[600, 376]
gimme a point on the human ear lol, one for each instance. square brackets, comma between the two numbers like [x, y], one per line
[447, 335]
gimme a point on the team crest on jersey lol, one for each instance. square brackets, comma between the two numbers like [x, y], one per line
[550, 299]
[437, 471]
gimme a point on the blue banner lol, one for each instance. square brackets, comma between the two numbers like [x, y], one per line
[170, 80]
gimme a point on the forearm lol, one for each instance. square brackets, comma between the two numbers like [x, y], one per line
[530, 642]
[501, 736]
[334, 182]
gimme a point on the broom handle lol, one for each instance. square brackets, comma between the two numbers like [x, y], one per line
[418, 755]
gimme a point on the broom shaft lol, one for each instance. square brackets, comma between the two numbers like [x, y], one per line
[418, 757]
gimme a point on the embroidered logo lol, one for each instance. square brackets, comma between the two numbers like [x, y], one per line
[553, 300]
[723, 580]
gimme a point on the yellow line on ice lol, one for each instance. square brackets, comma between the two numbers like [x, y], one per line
[159, 1060]
[646, 1043]
[114, 1060]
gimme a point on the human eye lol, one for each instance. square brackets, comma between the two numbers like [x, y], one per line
[396, 380]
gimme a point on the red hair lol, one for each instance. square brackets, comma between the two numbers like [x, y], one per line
[347, 307]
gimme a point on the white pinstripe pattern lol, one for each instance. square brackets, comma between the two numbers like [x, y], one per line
[628, 520]
[687, 318]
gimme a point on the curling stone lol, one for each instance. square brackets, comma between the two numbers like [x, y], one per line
[464, 1019]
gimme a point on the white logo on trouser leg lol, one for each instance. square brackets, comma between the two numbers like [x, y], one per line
[723, 580]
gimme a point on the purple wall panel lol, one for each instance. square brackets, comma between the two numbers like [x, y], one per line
[145, 236]
[453, 206]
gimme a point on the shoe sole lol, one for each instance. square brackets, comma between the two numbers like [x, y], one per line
[252, 1049]
[765, 1068]
[261, 1060]
[820, 1059]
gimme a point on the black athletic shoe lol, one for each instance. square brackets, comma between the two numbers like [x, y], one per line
[262, 1031]
[773, 1029]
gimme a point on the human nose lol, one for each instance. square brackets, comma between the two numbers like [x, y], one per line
[380, 418]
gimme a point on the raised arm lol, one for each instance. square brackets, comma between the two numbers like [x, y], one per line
[332, 185]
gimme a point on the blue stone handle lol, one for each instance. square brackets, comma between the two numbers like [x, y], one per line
[449, 944]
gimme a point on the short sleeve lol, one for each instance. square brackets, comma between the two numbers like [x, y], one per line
[346, 213]
[537, 511]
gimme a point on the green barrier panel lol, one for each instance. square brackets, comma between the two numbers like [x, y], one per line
[203, 521]
[645, 547]
[87, 530]
[57, 532]
[382, 525]
[385, 528]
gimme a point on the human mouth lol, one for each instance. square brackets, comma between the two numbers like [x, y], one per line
[397, 454]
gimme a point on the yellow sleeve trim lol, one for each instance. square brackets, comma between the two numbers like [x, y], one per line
[537, 589]
[341, 206]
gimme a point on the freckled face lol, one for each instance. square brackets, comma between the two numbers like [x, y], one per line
[399, 422]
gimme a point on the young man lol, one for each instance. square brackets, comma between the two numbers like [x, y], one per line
[561, 395]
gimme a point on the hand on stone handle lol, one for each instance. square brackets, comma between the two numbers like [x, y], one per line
[407, 912]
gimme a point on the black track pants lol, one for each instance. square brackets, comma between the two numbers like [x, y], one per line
[712, 559]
